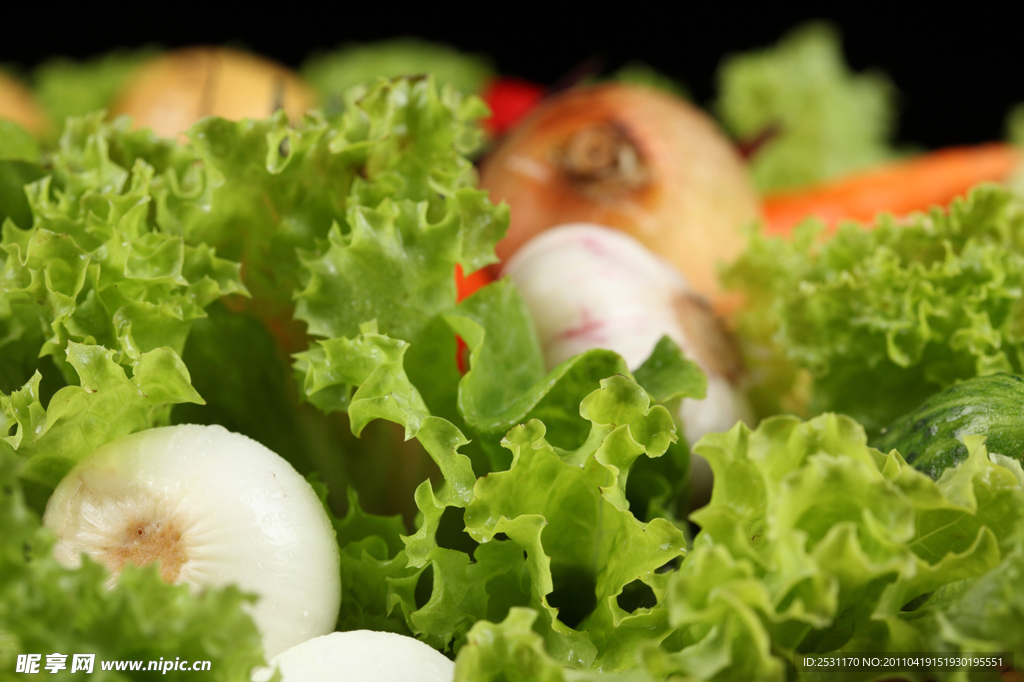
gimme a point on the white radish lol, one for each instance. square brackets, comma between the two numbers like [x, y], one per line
[361, 656]
[214, 508]
[589, 286]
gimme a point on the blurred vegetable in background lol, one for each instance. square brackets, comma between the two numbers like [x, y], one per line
[818, 120]
[632, 158]
[335, 72]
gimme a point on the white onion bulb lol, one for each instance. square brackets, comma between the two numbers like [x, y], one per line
[361, 656]
[215, 508]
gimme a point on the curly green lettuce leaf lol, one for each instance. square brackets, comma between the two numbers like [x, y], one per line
[568, 511]
[986, 615]
[259, 199]
[818, 119]
[366, 377]
[395, 266]
[46, 608]
[259, 192]
[506, 383]
[104, 404]
[667, 375]
[387, 250]
[372, 560]
[94, 268]
[544, 532]
[416, 215]
[374, 209]
[457, 581]
[973, 614]
[334, 73]
[510, 651]
[551, 531]
[881, 319]
[95, 304]
[15, 174]
[17, 144]
[20, 159]
[813, 542]
[68, 87]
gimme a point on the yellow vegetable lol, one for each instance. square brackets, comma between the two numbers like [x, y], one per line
[176, 89]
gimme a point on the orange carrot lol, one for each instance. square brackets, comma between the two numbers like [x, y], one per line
[901, 187]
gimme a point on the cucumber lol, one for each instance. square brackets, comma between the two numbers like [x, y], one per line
[930, 437]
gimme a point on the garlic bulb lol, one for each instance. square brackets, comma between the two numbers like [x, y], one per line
[590, 286]
[214, 508]
[361, 656]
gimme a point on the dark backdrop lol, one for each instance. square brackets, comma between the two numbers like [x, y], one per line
[957, 72]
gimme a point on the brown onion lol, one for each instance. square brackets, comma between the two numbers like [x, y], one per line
[176, 89]
[19, 105]
[635, 159]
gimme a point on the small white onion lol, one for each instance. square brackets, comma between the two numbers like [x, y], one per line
[361, 656]
[215, 508]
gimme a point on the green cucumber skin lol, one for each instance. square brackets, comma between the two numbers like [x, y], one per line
[930, 437]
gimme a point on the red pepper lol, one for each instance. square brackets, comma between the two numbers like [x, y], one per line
[465, 286]
[510, 99]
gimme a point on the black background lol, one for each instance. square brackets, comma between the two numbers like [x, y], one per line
[958, 72]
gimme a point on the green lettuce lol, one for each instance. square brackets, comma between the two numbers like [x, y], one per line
[67, 87]
[543, 533]
[17, 144]
[20, 159]
[482, 545]
[510, 651]
[871, 322]
[983, 615]
[1015, 125]
[374, 208]
[131, 243]
[132, 238]
[1015, 135]
[96, 302]
[125, 280]
[817, 119]
[335, 73]
[816, 543]
[103, 404]
[813, 542]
